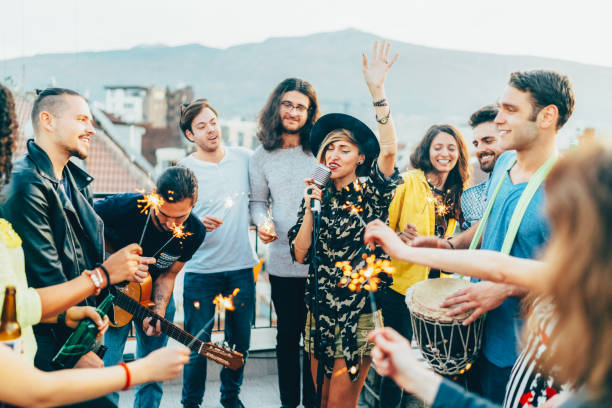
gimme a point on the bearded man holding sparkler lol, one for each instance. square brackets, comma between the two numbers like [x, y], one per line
[343, 315]
[225, 261]
[168, 232]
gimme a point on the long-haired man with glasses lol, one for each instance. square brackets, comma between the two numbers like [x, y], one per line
[277, 171]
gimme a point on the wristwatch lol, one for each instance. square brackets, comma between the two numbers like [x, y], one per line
[384, 119]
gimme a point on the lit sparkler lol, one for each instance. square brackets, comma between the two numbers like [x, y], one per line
[226, 302]
[267, 226]
[354, 210]
[147, 203]
[177, 232]
[365, 278]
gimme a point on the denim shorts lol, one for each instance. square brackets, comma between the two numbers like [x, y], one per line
[364, 326]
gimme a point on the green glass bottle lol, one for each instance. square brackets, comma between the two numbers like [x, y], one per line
[82, 339]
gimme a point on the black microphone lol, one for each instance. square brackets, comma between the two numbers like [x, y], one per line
[321, 177]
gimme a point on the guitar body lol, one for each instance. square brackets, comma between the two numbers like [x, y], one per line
[141, 293]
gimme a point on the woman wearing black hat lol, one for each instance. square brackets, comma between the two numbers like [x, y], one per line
[350, 149]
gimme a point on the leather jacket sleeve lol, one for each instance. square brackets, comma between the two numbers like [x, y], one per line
[27, 208]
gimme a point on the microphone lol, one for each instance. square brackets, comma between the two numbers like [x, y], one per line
[321, 177]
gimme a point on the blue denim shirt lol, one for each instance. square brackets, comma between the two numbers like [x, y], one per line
[474, 203]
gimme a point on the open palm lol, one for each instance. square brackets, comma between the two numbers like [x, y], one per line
[376, 72]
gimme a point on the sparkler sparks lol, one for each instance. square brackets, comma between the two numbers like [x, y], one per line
[354, 210]
[149, 202]
[220, 301]
[226, 302]
[267, 226]
[366, 278]
[177, 232]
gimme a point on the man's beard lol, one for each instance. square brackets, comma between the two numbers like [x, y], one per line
[290, 132]
[78, 154]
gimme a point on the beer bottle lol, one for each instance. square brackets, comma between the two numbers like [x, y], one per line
[82, 339]
[10, 330]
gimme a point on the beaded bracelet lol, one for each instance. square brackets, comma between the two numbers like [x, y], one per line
[97, 281]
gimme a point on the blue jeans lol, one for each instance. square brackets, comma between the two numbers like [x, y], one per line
[203, 288]
[147, 395]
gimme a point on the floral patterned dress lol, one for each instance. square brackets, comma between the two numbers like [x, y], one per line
[341, 239]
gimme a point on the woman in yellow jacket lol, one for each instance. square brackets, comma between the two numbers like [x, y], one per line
[427, 203]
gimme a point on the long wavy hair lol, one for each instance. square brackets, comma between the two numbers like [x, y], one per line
[460, 174]
[8, 133]
[579, 269]
[270, 127]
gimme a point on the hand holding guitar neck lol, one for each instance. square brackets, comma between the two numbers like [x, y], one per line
[127, 264]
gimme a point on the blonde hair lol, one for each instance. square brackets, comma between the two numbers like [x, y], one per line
[334, 136]
[579, 269]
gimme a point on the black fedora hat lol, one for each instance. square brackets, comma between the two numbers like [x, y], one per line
[368, 143]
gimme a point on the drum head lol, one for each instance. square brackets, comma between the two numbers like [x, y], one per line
[424, 298]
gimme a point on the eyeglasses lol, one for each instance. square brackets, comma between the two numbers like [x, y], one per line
[288, 106]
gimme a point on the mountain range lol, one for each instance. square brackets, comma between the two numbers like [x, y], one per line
[424, 86]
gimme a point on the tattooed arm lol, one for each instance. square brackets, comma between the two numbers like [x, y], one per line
[162, 291]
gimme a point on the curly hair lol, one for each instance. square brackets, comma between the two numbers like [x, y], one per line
[270, 127]
[460, 174]
[8, 133]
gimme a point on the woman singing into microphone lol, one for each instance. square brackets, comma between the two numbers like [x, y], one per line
[363, 178]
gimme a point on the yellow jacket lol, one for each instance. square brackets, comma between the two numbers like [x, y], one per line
[413, 203]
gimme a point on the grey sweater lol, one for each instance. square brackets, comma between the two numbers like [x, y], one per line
[277, 183]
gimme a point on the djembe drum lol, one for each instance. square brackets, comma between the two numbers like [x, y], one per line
[445, 343]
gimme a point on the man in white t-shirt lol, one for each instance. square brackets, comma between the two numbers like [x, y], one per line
[226, 259]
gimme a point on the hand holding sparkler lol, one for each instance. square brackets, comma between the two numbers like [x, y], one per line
[267, 232]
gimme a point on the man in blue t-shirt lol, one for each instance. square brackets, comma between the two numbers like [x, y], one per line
[532, 109]
[125, 222]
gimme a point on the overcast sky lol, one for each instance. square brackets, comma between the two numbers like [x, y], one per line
[577, 30]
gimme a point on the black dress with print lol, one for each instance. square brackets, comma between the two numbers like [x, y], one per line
[341, 239]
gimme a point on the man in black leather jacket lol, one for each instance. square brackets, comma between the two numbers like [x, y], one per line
[49, 204]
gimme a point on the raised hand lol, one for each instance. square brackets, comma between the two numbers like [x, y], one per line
[376, 72]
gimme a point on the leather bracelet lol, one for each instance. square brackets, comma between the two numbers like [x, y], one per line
[382, 102]
[99, 265]
[450, 243]
[128, 376]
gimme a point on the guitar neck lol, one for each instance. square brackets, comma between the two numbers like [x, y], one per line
[170, 329]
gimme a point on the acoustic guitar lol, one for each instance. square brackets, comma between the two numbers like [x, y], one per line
[133, 302]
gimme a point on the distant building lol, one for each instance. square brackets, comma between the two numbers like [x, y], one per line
[127, 103]
[235, 132]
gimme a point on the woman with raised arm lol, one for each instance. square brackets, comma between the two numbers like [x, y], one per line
[342, 318]
[570, 322]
